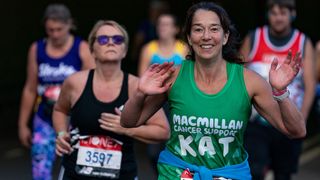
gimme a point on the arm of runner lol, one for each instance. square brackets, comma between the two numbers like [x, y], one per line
[309, 79]
[283, 114]
[59, 118]
[147, 95]
[29, 95]
[155, 130]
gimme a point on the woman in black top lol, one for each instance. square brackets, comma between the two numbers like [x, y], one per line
[97, 146]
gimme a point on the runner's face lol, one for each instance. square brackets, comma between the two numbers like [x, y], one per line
[166, 27]
[109, 51]
[57, 31]
[279, 18]
[207, 35]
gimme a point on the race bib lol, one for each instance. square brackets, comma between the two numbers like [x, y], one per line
[186, 175]
[99, 156]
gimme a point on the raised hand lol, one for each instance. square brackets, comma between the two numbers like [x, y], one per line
[154, 80]
[280, 77]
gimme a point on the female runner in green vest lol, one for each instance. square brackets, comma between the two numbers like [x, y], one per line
[210, 99]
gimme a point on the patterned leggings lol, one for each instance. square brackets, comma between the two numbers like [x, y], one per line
[43, 149]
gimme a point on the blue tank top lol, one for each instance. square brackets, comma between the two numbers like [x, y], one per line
[51, 74]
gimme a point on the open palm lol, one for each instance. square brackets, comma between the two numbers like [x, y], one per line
[281, 77]
[154, 80]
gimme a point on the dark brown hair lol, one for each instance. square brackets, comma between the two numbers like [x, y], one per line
[229, 50]
[290, 4]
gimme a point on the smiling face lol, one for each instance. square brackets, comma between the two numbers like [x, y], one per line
[206, 36]
[109, 51]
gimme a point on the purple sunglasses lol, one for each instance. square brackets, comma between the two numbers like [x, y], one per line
[104, 39]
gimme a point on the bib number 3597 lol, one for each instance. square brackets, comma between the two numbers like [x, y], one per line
[99, 156]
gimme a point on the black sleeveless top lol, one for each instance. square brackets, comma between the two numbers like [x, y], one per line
[84, 116]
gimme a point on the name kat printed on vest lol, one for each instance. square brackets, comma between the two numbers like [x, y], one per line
[226, 130]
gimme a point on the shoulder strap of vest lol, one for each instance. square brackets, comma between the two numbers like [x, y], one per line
[89, 84]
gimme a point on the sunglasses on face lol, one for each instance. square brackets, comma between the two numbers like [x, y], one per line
[104, 39]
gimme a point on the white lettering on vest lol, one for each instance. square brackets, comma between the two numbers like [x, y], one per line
[225, 142]
[184, 146]
[205, 144]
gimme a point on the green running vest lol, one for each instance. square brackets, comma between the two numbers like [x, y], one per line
[207, 129]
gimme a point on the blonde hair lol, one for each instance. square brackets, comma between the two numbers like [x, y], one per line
[99, 24]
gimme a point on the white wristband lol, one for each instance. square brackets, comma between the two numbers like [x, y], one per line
[282, 96]
[61, 133]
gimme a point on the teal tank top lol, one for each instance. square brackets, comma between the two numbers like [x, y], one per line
[207, 129]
